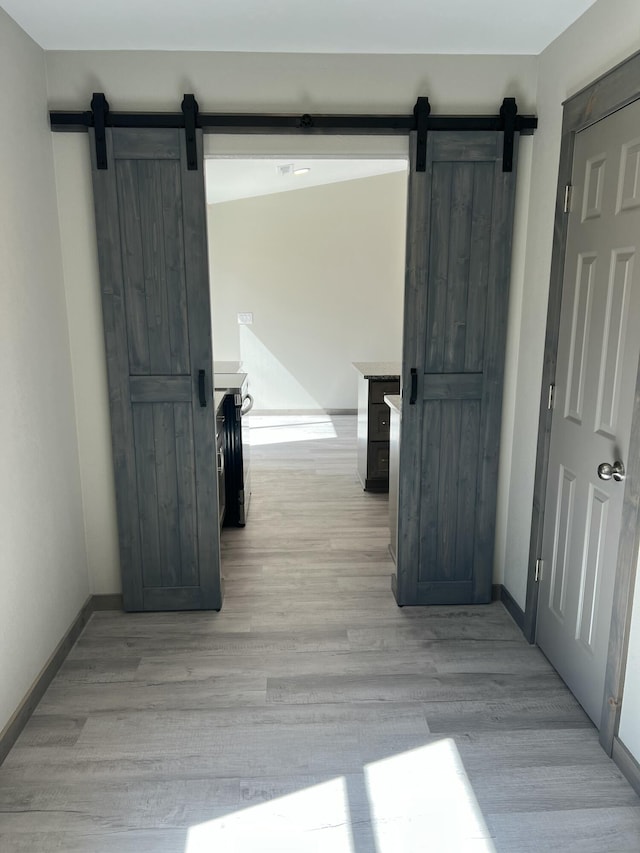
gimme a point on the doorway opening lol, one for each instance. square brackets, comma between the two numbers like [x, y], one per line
[306, 258]
[306, 254]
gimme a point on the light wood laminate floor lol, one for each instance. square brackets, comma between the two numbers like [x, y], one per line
[311, 714]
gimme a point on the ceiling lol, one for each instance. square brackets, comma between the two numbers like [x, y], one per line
[228, 179]
[298, 26]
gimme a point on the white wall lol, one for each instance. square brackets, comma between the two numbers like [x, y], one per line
[605, 35]
[512, 354]
[43, 571]
[272, 82]
[227, 82]
[322, 270]
[79, 259]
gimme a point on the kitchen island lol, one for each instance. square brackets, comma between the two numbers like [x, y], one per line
[375, 379]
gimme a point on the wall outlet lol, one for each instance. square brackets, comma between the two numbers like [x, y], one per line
[245, 318]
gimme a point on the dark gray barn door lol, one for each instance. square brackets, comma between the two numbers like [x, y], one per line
[152, 248]
[458, 260]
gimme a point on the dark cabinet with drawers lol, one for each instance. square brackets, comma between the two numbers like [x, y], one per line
[374, 381]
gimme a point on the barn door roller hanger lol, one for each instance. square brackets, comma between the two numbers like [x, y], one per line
[508, 121]
[100, 118]
[190, 118]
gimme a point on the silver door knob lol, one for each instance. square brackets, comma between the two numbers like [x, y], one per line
[607, 471]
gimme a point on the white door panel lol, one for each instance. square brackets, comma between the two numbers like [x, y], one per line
[598, 352]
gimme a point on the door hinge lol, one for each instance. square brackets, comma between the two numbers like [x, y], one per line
[568, 192]
[538, 575]
[552, 397]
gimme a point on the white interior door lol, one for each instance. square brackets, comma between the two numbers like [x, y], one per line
[597, 364]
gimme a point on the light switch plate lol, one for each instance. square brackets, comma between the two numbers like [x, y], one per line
[245, 318]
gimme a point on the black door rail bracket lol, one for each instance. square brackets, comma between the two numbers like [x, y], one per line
[190, 112]
[509, 112]
[421, 112]
[100, 118]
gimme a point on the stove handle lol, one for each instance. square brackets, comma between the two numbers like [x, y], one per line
[246, 409]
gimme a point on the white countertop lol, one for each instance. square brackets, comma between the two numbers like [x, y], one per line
[230, 382]
[378, 369]
[394, 401]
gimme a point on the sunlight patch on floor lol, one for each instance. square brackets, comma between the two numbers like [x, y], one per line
[314, 820]
[417, 801]
[282, 429]
[423, 800]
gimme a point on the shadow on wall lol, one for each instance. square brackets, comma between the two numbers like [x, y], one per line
[321, 272]
[272, 385]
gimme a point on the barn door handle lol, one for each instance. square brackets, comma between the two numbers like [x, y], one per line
[414, 386]
[201, 388]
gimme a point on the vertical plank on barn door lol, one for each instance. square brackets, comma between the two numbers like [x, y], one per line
[152, 248]
[459, 228]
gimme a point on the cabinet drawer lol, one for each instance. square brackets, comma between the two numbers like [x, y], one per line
[379, 387]
[378, 460]
[379, 420]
